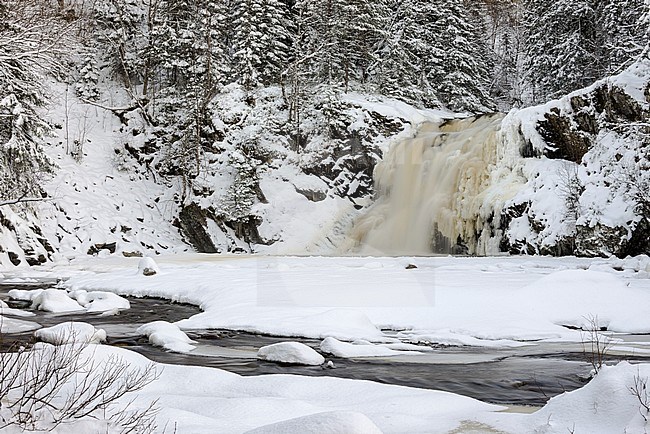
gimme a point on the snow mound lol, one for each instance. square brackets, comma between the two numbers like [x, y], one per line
[168, 336]
[55, 300]
[6, 310]
[331, 422]
[337, 348]
[572, 297]
[71, 332]
[24, 294]
[290, 352]
[147, 266]
[99, 301]
[13, 325]
[607, 404]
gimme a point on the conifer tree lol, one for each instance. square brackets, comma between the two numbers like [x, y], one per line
[260, 41]
[623, 32]
[462, 77]
[562, 45]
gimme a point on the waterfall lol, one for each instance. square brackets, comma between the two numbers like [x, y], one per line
[434, 192]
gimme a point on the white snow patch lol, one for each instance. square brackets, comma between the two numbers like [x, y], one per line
[13, 325]
[168, 336]
[502, 299]
[71, 332]
[99, 301]
[55, 300]
[333, 422]
[358, 349]
[290, 352]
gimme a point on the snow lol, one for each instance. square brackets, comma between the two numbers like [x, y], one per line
[61, 301]
[488, 302]
[147, 266]
[332, 422]
[168, 336]
[71, 332]
[496, 302]
[55, 300]
[14, 325]
[605, 405]
[205, 400]
[6, 310]
[98, 301]
[358, 349]
[290, 352]
[25, 294]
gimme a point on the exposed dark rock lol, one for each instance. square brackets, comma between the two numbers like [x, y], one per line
[246, 229]
[411, 266]
[96, 248]
[599, 240]
[14, 258]
[134, 254]
[193, 223]
[148, 271]
[564, 141]
[570, 135]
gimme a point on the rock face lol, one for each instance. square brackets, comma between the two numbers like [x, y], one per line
[21, 238]
[193, 223]
[571, 133]
[591, 198]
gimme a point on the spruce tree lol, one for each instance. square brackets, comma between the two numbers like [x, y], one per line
[260, 41]
[624, 34]
[462, 76]
[562, 46]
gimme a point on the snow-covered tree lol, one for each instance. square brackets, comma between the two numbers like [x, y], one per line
[433, 53]
[623, 31]
[342, 37]
[406, 55]
[31, 46]
[562, 46]
[260, 41]
[462, 79]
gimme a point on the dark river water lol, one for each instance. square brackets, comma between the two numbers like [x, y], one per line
[521, 376]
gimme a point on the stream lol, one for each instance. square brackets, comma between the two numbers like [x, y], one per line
[527, 375]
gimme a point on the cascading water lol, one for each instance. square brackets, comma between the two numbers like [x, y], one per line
[434, 192]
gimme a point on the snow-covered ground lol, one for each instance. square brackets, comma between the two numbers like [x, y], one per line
[475, 301]
[349, 303]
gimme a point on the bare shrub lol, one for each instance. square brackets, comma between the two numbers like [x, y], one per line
[595, 344]
[48, 385]
[640, 391]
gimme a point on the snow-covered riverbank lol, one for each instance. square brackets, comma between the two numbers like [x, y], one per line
[475, 301]
[495, 302]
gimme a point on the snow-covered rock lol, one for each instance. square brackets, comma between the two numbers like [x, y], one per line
[337, 348]
[55, 300]
[13, 325]
[332, 422]
[168, 336]
[24, 294]
[290, 352]
[71, 332]
[99, 301]
[148, 267]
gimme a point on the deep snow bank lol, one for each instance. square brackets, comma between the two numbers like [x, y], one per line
[444, 300]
